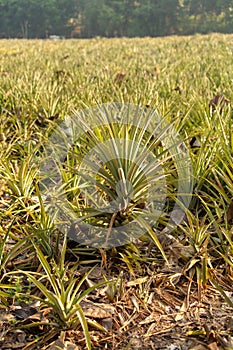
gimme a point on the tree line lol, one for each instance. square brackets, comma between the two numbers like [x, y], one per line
[112, 18]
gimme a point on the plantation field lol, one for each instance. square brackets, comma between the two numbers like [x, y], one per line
[170, 288]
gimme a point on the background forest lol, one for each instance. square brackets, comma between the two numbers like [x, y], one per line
[113, 18]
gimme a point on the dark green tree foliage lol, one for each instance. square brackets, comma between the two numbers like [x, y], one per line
[33, 18]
